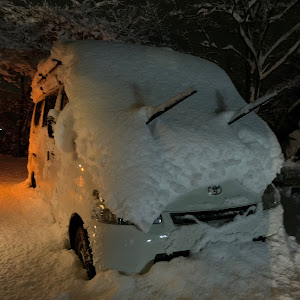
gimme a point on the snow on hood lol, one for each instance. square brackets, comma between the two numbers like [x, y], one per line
[139, 169]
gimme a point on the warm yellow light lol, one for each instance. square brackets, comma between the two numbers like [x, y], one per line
[82, 169]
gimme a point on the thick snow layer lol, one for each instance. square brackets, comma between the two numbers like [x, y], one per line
[36, 265]
[64, 131]
[139, 169]
[221, 271]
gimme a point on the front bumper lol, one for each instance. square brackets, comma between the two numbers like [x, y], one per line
[127, 249]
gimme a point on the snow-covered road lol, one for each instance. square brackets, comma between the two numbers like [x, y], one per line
[35, 263]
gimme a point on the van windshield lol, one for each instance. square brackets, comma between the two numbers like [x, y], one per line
[49, 104]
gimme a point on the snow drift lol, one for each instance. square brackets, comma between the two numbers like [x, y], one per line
[139, 169]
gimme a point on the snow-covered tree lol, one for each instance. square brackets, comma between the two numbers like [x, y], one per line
[263, 33]
[29, 30]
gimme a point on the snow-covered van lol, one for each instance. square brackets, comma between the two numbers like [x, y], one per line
[133, 149]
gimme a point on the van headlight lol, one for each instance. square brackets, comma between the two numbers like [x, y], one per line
[104, 215]
[158, 220]
[271, 197]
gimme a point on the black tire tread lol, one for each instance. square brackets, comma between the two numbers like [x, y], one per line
[82, 245]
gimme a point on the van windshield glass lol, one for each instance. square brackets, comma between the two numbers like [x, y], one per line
[49, 104]
[37, 114]
[64, 100]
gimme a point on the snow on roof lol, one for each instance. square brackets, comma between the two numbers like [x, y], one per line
[139, 169]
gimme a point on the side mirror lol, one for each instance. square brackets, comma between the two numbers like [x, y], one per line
[51, 119]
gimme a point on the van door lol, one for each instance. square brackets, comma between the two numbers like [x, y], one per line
[33, 153]
[43, 162]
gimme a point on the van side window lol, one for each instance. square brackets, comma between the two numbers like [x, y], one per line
[38, 110]
[49, 104]
[64, 100]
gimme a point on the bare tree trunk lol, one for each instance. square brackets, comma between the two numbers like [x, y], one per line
[252, 81]
[247, 82]
[254, 85]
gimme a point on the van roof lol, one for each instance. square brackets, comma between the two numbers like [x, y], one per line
[158, 73]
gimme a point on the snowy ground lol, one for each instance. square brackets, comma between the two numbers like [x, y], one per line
[35, 263]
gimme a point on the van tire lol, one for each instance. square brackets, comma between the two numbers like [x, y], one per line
[84, 252]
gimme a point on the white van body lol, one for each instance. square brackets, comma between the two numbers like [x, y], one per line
[144, 190]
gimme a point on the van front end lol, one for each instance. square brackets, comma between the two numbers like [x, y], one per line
[180, 229]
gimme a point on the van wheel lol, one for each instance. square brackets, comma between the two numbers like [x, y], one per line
[84, 252]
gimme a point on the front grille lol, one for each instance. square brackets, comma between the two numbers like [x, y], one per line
[218, 217]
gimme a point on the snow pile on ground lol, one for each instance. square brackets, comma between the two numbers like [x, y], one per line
[253, 270]
[36, 265]
[139, 169]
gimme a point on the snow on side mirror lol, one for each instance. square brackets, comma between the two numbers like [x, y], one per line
[51, 119]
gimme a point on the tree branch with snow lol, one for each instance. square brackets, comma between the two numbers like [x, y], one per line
[29, 30]
[253, 21]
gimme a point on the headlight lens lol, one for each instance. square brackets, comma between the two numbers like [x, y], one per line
[158, 220]
[271, 197]
[104, 215]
